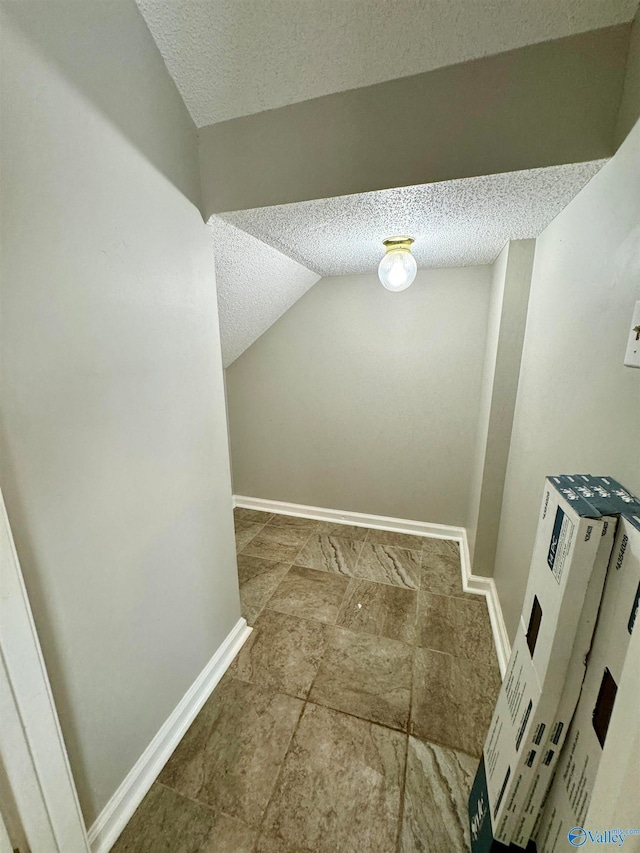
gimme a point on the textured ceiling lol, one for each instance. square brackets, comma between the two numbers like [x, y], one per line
[236, 57]
[454, 223]
[256, 284]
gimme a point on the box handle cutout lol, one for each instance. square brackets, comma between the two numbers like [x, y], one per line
[534, 625]
[604, 706]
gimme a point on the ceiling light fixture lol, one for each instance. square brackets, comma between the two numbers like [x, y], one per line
[398, 268]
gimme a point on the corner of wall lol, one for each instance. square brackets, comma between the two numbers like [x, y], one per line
[498, 271]
[512, 273]
[629, 110]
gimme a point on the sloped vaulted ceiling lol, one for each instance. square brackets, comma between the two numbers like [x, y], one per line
[232, 58]
[256, 285]
[253, 76]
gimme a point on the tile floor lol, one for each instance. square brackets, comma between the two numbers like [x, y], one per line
[353, 717]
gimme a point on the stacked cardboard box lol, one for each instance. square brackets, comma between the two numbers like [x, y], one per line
[567, 541]
[609, 498]
[540, 691]
[569, 798]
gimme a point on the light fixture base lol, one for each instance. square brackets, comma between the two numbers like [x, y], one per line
[399, 242]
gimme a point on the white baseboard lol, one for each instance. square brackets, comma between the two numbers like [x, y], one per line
[359, 519]
[470, 583]
[486, 586]
[120, 808]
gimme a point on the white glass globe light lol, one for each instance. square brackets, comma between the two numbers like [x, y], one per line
[398, 267]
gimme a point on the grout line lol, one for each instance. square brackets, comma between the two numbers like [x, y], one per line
[349, 586]
[279, 774]
[277, 587]
[264, 605]
[297, 616]
[317, 621]
[383, 637]
[355, 717]
[421, 574]
[455, 657]
[315, 674]
[282, 691]
[448, 746]
[250, 540]
[184, 797]
[364, 542]
[403, 789]
[302, 547]
[283, 527]
[274, 523]
[413, 670]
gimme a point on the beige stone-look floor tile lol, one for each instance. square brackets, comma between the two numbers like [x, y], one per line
[444, 581]
[294, 522]
[379, 609]
[255, 515]
[440, 572]
[231, 835]
[452, 700]
[393, 537]
[231, 755]
[339, 789]
[347, 531]
[310, 593]
[245, 532]
[258, 581]
[250, 611]
[367, 676]
[166, 822]
[272, 844]
[458, 626]
[440, 552]
[282, 544]
[282, 653]
[437, 786]
[330, 554]
[389, 564]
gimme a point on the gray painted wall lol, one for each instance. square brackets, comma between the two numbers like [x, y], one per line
[505, 334]
[498, 281]
[115, 463]
[550, 103]
[364, 400]
[578, 407]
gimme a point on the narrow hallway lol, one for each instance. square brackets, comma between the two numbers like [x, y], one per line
[354, 716]
[370, 261]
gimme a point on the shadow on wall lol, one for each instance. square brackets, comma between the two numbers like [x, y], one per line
[19, 521]
[107, 39]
